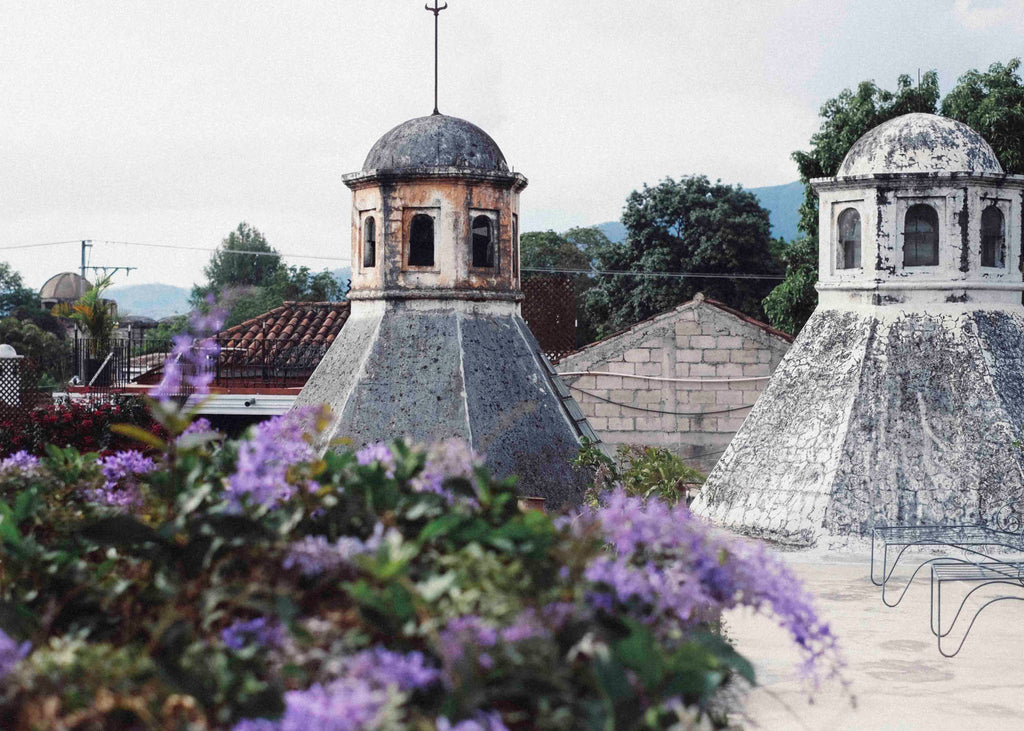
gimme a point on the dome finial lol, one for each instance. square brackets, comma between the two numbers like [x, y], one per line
[436, 10]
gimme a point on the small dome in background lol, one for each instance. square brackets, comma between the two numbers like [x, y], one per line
[920, 143]
[436, 141]
[66, 286]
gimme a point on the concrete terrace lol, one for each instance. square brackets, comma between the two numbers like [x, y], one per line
[897, 675]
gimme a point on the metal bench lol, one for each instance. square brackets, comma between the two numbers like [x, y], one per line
[981, 575]
[1003, 532]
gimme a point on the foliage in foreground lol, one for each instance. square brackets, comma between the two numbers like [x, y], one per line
[640, 471]
[253, 585]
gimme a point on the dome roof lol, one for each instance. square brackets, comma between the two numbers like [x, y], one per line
[920, 143]
[64, 286]
[436, 141]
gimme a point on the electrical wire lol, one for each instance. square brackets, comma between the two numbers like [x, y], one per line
[679, 275]
[659, 411]
[737, 379]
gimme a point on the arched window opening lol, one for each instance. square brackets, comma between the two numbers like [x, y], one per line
[921, 236]
[483, 242]
[421, 241]
[849, 239]
[369, 243]
[993, 238]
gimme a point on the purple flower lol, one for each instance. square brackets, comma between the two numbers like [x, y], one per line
[11, 653]
[22, 461]
[383, 667]
[120, 489]
[193, 355]
[261, 475]
[445, 460]
[667, 565]
[259, 631]
[377, 454]
[349, 704]
[315, 555]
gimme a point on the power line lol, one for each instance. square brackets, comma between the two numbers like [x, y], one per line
[659, 411]
[182, 247]
[679, 274]
[36, 246]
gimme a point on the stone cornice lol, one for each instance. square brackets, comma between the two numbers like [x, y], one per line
[364, 178]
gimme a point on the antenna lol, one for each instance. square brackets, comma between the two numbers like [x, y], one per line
[436, 11]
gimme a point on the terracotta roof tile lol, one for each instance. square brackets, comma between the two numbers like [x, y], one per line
[288, 331]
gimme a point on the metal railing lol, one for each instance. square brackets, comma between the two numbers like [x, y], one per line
[122, 363]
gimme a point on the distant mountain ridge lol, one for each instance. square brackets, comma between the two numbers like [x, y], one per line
[150, 300]
[782, 201]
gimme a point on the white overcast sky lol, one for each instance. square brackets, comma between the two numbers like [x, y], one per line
[169, 122]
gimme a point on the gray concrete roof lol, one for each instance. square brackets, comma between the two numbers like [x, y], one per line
[436, 141]
[920, 143]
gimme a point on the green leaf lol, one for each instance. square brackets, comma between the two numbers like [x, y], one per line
[139, 434]
[441, 526]
[121, 530]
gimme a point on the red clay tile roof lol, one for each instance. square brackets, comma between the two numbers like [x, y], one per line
[292, 331]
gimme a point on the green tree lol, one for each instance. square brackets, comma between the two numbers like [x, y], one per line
[48, 353]
[251, 284]
[791, 303]
[549, 250]
[848, 116]
[692, 225]
[13, 292]
[993, 104]
[227, 270]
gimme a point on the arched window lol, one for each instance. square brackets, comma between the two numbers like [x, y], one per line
[421, 241]
[849, 239]
[921, 236]
[483, 242]
[993, 238]
[369, 242]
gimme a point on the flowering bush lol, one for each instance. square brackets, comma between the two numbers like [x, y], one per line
[255, 585]
[82, 425]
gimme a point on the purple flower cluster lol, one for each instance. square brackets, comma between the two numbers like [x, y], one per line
[377, 454]
[261, 475]
[314, 555]
[349, 704]
[384, 667]
[259, 631]
[21, 461]
[119, 472]
[667, 564]
[192, 356]
[447, 459]
[11, 653]
[355, 701]
[201, 427]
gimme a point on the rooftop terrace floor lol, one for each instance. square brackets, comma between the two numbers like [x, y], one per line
[896, 673]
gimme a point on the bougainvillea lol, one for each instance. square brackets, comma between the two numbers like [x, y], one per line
[257, 585]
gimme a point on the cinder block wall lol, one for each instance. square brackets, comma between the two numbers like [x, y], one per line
[696, 341]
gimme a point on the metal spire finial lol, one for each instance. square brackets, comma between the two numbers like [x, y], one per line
[436, 10]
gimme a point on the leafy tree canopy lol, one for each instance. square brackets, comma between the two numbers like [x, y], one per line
[993, 104]
[848, 116]
[571, 250]
[690, 225]
[13, 292]
[48, 353]
[251, 284]
[791, 303]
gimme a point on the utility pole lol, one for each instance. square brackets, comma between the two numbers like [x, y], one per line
[81, 283]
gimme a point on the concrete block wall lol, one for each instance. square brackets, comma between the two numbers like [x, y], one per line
[698, 344]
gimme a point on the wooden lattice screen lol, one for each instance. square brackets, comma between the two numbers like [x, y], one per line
[549, 308]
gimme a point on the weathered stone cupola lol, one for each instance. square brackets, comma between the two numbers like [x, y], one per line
[920, 213]
[435, 214]
[435, 346]
[902, 399]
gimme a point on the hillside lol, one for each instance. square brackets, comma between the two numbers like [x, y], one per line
[782, 201]
[150, 300]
